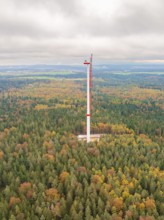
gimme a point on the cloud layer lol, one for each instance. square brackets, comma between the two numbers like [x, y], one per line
[60, 31]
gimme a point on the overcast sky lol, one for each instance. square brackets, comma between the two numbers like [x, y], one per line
[67, 31]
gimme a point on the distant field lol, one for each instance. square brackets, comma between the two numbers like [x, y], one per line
[33, 73]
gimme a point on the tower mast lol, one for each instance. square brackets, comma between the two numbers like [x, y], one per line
[90, 83]
[89, 86]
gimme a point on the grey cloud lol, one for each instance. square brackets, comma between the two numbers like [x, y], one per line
[60, 30]
[130, 20]
[141, 19]
[71, 7]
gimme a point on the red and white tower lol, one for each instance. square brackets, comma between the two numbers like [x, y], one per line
[89, 85]
[89, 137]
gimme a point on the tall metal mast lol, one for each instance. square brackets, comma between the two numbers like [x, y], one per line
[89, 85]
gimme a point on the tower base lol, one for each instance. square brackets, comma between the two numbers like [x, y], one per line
[93, 137]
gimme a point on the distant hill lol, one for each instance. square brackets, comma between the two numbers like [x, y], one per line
[116, 67]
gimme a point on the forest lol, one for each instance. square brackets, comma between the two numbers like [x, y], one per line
[46, 173]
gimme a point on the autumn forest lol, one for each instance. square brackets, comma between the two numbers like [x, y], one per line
[46, 173]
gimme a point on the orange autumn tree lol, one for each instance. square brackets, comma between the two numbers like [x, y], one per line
[13, 201]
[52, 194]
